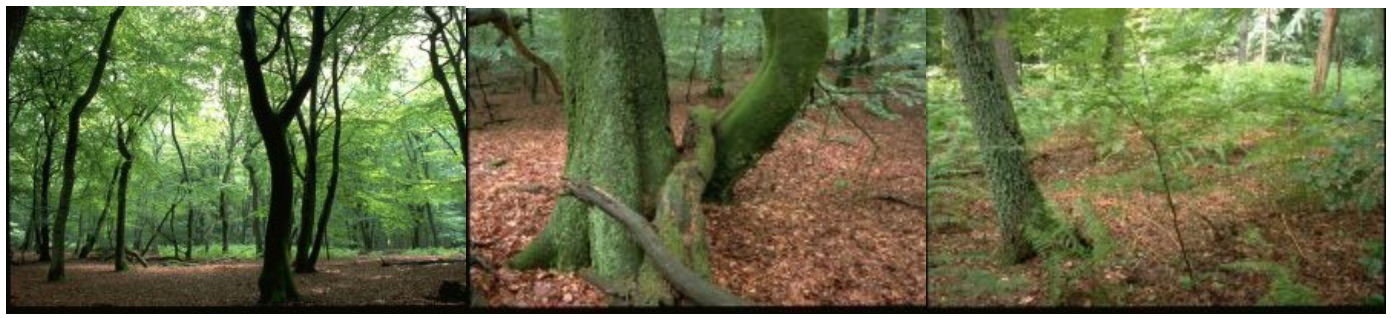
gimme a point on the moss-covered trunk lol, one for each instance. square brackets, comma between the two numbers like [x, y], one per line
[617, 110]
[1019, 205]
[794, 43]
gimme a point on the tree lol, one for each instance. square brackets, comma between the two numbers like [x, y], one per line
[125, 136]
[55, 270]
[714, 24]
[848, 62]
[619, 144]
[1019, 205]
[16, 18]
[276, 283]
[1004, 50]
[1325, 53]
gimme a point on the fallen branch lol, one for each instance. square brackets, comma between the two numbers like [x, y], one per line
[895, 199]
[385, 263]
[684, 279]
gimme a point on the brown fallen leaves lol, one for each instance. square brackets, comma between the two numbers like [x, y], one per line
[340, 282]
[804, 229]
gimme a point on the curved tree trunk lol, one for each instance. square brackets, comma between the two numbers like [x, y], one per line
[794, 45]
[55, 269]
[276, 283]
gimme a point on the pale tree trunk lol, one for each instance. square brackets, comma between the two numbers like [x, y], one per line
[1326, 40]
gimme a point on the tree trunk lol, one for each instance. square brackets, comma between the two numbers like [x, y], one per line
[1114, 55]
[16, 17]
[795, 44]
[1019, 205]
[617, 113]
[46, 182]
[276, 283]
[1243, 34]
[847, 63]
[309, 184]
[55, 269]
[888, 29]
[1325, 53]
[86, 248]
[322, 231]
[254, 218]
[1004, 50]
[714, 73]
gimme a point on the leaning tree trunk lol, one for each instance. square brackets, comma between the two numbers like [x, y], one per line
[1325, 53]
[794, 45]
[1019, 205]
[122, 185]
[617, 111]
[55, 269]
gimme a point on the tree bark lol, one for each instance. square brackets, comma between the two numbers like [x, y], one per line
[1326, 39]
[847, 63]
[617, 112]
[16, 17]
[795, 44]
[309, 184]
[55, 270]
[276, 282]
[1018, 203]
[714, 73]
[86, 248]
[1004, 50]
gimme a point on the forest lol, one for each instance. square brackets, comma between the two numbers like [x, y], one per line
[220, 156]
[712, 157]
[1156, 157]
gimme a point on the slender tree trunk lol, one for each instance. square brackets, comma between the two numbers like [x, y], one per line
[888, 30]
[309, 186]
[322, 232]
[714, 73]
[86, 248]
[1325, 53]
[255, 203]
[55, 270]
[128, 160]
[1114, 55]
[847, 63]
[46, 180]
[1243, 31]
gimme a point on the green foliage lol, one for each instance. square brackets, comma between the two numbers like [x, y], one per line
[1070, 266]
[1284, 290]
[1375, 261]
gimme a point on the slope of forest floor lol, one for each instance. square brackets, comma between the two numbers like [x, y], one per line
[1232, 215]
[361, 281]
[812, 224]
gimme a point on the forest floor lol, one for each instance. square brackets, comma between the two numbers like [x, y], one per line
[1249, 218]
[361, 281]
[809, 225]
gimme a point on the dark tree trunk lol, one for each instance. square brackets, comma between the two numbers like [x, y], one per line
[309, 185]
[16, 17]
[86, 248]
[255, 203]
[45, 183]
[852, 33]
[55, 270]
[1114, 55]
[276, 282]
[322, 232]
[438, 36]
